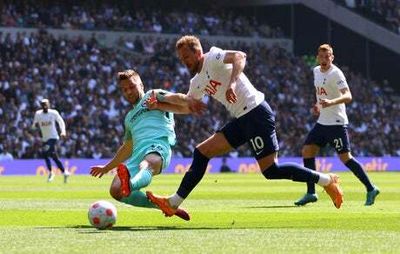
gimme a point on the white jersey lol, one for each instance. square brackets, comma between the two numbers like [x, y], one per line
[328, 85]
[213, 80]
[47, 122]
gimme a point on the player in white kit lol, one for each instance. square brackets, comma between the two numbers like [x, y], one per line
[46, 119]
[219, 74]
[332, 92]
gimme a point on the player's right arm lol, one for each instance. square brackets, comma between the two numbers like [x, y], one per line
[35, 121]
[177, 103]
[123, 153]
[315, 109]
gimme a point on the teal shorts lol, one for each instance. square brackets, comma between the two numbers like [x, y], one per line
[141, 149]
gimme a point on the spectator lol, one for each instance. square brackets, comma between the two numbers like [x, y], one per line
[4, 155]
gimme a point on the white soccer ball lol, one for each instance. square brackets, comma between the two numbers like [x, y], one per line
[102, 214]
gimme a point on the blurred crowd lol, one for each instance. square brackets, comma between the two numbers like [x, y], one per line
[128, 15]
[385, 12]
[78, 76]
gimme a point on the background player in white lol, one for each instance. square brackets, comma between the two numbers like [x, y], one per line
[46, 118]
[219, 73]
[149, 135]
[332, 92]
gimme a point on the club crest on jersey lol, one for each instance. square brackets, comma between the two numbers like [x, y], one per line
[212, 87]
[340, 82]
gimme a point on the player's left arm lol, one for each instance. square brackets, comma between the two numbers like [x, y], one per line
[61, 123]
[345, 97]
[238, 61]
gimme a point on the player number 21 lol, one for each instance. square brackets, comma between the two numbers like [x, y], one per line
[338, 143]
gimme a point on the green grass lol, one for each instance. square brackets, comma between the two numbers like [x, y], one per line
[232, 213]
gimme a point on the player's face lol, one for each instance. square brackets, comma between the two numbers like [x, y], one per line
[190, 59]
[45, 106]
[325, 59]
[132, 89]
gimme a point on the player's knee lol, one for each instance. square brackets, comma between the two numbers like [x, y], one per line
[345, 157]
[272, 172]
[115, 189]
[309, 151]
[304, 152]
[115, 193]
[205, 150]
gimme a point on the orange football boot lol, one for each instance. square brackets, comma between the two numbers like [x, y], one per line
[334, 191]
[181, 213]
[124, 177]
[162, 203]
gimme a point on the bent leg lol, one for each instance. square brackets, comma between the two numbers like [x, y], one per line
[150, 166]
[136, 198]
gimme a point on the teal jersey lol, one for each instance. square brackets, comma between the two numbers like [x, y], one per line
[143, 125]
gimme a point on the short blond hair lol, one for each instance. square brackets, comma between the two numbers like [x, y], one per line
[127, 74]
[190, 41]
[325, 47]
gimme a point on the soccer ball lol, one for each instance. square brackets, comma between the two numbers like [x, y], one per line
[102, 214]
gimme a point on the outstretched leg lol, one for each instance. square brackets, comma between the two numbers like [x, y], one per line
[139, 199]
[298, 173]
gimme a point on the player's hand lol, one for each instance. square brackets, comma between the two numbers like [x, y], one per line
[325, 103]
[152, 102]
[230, 94]
[196, 107]
[98, 171]
[315, 110]
[63, 136]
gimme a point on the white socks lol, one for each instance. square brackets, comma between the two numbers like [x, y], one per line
[324, 179]
[175, 200]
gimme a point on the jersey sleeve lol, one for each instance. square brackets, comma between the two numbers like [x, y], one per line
[216, 57]
[340, 80]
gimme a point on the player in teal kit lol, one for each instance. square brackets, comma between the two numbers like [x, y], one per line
[149, 135]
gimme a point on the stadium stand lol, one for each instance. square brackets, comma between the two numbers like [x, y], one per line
[92, 15]
[386, 13]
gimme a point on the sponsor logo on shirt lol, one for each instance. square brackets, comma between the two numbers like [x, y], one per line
[212, 87]
[48, 123]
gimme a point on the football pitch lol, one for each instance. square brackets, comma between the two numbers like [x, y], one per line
[231, 213]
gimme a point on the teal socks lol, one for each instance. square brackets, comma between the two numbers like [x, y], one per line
[139, 199]
[141, 179]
